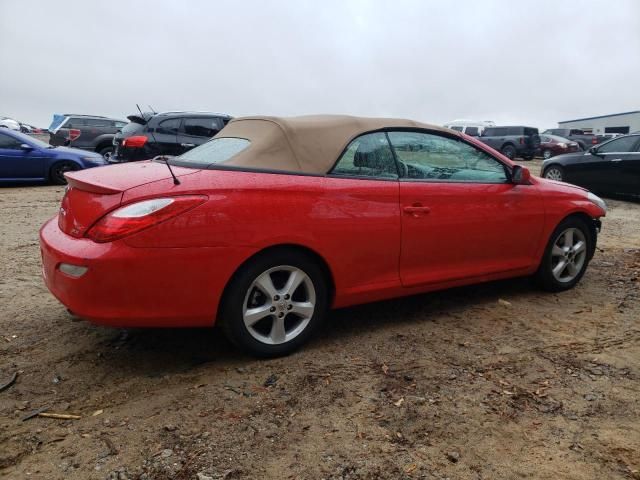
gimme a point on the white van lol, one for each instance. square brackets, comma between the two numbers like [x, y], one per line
[470, 127]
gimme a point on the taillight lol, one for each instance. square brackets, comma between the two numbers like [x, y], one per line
[74, 133]
[134, 142]
[594, 141]
[138, 216]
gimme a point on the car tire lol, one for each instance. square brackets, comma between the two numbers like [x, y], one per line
[57, 171]
[547, 154]
[509, 151]
[554, 172]
[259, 309]
[106, 152]
[566, 256]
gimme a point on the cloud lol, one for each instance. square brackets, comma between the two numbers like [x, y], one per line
[529, 63]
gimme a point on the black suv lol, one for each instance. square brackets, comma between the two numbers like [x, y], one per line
[170, 133]
[512, 142]
[89, 132]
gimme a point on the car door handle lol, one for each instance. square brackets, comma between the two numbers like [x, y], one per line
[187, 145]
[616, 160]
[416, 209]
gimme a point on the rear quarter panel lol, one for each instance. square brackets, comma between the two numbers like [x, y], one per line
[353, 224]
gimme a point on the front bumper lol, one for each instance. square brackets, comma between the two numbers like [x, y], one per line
[128, 286]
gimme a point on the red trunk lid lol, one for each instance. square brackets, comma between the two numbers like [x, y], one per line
[93, 192]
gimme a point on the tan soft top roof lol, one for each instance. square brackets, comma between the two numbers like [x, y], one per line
[307, 144]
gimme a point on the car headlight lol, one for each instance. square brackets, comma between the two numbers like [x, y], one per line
[94, 159]
[597, 200]
[562, 145]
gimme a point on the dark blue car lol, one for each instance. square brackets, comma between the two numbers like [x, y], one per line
[25, 158]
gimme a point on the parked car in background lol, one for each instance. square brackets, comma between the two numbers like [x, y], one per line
[89, 132]
[512, 141]
[612, 167]
[24, 158]
[10, 123]
[583, 139]
[259, 229]
[473, 128]
[169, 133]
[552, 145]
[26, 128]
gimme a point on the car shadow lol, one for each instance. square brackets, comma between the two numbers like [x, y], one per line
[158, 352]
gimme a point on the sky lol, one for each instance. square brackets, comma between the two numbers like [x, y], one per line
[528, 63]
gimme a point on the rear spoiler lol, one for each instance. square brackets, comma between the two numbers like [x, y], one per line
[140, 119]
[89, 187]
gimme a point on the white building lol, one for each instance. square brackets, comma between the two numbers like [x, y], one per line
[627, 122]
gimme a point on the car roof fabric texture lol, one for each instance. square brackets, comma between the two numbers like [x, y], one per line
[307, 144]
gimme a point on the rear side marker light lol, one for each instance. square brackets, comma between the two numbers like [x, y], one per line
[137, 141]
[139, 216]
[75, 271]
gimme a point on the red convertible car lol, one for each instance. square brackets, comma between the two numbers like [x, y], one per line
[276, 220]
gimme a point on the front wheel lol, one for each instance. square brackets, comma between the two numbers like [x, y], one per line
[566, 257]
[56, 174]
[273, 305]
[554, 172]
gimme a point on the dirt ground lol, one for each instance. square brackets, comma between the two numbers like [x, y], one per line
[487, 382]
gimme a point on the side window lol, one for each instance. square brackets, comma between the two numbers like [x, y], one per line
[120, 124]
[425, 156]
[96, 122]
[473, 131]
[169, 126]
[456, 128]
[367, 156]
[201, 126]
[619, 145]
[9, 143]
[75, 122]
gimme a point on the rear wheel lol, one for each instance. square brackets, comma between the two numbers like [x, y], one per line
[56, 174]
[273, 304]
[106, 152]
[566, 256]
[509, 151]
[547, 154]
[554, 172]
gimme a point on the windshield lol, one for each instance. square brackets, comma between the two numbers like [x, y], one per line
[31, 140]
[215, 151]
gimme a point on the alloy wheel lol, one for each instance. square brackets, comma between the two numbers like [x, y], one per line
[553, 173]
[568, 255]
[279, 305]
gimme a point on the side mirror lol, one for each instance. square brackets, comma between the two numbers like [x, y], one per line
[593, 150]
[520, 175]
[26, 147]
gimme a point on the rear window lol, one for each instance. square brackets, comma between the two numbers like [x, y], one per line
[215, 151]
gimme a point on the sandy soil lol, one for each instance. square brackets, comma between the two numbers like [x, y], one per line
[488, 382]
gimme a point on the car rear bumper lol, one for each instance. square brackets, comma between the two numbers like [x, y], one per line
[127, 286]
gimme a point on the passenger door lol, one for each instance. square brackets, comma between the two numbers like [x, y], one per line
[165, 137]
[17, 163]
[358, 217]
[461, 215]
[197, 130]
[602, 171]
[628, 178]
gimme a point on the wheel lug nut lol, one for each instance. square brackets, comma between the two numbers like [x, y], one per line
[280, 315]
[272, 309]
[286, 297]
[289, 307]
[276, 297]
